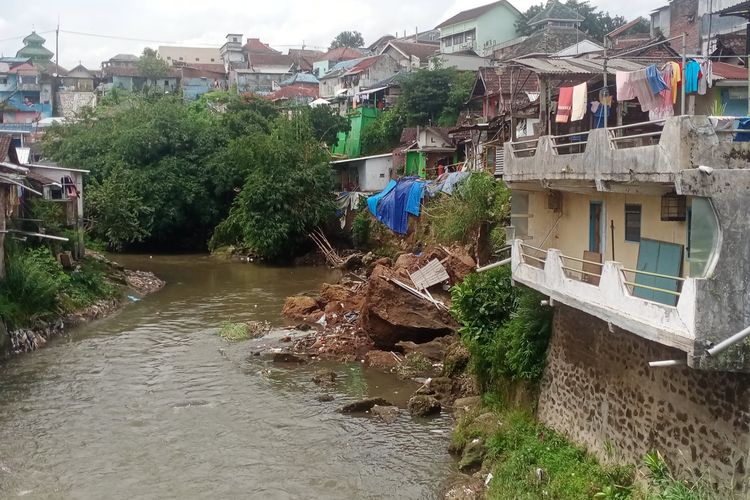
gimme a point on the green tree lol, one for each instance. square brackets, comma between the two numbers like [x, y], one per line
[435, 96]
[348, 39]
[385, 132]
[151, 66]
[326, 123]
[288, 191]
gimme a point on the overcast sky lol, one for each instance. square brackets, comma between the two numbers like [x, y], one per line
[282, 23]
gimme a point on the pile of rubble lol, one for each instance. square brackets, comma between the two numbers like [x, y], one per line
[377, 309]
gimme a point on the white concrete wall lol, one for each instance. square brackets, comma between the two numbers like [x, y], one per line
[374, 173]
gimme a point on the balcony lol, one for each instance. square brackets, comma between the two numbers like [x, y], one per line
[609, 292]
[656, 152]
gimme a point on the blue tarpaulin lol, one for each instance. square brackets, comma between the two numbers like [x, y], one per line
[743, 124]
[372, 201]
[414, 203]
[392, 206]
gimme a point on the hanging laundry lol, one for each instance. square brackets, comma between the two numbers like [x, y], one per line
[624, 85]
[655, 80]
[676, 79]
[692, 70]
[599, 109]
[578, 109]
[646, 99]
[706, 76]
[564, 105]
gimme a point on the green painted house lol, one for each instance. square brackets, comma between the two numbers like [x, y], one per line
[350, 144]
[479, 29]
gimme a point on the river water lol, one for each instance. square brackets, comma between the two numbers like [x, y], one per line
[152, 403]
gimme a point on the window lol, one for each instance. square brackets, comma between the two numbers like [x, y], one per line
[458, 39]
[470, 36]
[519, 214]
[166, 83]
[28, 79]
[180, 58]
[448, 41]
[632, 223]
[3, 81]
[212, 59]
[169, 58]
[703, 235]
[197, 59]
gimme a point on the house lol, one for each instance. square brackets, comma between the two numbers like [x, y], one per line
[556, 29]
[122, 72]
[479, 29]
[330, 59]
[190, 55]
[299, 89]
[349, 77]
[255, 67]
[410, 55]
[430, 36]
[460, 62]
[426, 152]
[76, 91]
[349, 144]
[631, 34]
[121, 61]
[197, 81]
[368, 174]
[25, 93]
[305, 58]
[702, 21]
[378, 45]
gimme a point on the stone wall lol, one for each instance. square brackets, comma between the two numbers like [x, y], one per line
[68, 104]
[599, 390]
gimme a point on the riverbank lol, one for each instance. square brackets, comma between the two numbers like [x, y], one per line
[122, 286]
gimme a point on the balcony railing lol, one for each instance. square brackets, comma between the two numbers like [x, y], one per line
[524, 149]
[624, 137]
[570, 143]
[602, 289]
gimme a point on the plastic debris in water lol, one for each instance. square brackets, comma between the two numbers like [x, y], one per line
[489, 478]
[133, 298]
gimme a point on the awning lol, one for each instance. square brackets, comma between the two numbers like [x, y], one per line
[370, 91]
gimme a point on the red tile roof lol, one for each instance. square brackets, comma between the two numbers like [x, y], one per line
[254, 45]
[291, 91]
[729, 71]
[363, 65]
[270, 60]
[341, 54]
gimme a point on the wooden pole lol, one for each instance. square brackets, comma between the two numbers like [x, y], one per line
[3, 202]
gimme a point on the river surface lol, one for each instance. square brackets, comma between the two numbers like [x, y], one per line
[152, 403]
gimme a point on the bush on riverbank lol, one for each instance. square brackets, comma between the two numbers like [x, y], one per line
[505, 328]
[37, 288]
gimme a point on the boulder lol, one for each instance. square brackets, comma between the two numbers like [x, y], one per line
[300, 307]
[287, 357]
[324, 377]
[364, 405]
[433, 349]
[391, 314]
[466, 488]
[325, 398]
[466, 405]
[407, 261]
[456, 359]
[387, 414]
[423, 405]
[472, 456]
[381, 360]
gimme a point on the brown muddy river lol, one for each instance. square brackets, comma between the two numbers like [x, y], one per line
[151, 403]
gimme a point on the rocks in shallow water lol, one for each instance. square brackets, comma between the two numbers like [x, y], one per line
[432, 350]
[364, 405]
[325, 398]
[301, 307]
[324, 377]
[472, 456]
[287, 357]
[466, 488]
[465, 405]
[387, 414]
[423, 405]
[381, 360]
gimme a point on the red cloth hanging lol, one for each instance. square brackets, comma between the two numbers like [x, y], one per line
[564, 105]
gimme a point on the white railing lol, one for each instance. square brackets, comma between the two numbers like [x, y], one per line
[524, 149]
[607, 294]
[633, 285]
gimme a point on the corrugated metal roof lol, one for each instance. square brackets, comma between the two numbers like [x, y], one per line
[549, 66]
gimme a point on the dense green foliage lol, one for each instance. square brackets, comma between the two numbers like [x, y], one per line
[151, 65]
[164, 173]
[480, 200]
[362, 226]
[505, 328]
[37, 288]
[384, 134]
[596, 23]
[348, 39]
[435, 96]
[285, 195]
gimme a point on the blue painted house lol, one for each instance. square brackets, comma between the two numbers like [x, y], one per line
[24, 96]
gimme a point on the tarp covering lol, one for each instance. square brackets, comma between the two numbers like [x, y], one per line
[414, 203]
[372, 201]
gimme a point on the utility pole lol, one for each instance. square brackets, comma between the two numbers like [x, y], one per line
[57, 46]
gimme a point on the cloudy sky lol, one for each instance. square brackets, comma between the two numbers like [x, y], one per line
[133, 24]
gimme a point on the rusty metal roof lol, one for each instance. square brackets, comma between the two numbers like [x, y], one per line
[551, 66]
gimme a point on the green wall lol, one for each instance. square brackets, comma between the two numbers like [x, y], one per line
[350, 144]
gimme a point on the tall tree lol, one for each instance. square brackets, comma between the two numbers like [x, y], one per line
[595, 23]
[348, 39]
[151, 65]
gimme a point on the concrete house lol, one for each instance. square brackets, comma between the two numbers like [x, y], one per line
[479, 29]
[190, 55]
[369, 174]
[330, 59]
[349, 77]
[255, 66]
[634, 237]
[410, 55]
[76, 92]
[25, 93]
[427, 154]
